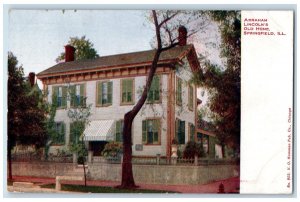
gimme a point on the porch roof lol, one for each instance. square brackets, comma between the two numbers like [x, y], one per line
[99, 130]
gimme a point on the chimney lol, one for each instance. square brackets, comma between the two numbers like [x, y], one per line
[31, 78]
[182, 35]
[69, 53]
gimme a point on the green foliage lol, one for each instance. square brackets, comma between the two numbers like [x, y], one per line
[84, 49]
[224, 84]
[193, 149]
[112, 149]
[27, 111]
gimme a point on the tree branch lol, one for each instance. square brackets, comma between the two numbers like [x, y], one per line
[167, 19]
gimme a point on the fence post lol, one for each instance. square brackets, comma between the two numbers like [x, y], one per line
[196, 160]
[90, 156]
[122, 159]
[174, 160]
[74, 159]
[157, 159]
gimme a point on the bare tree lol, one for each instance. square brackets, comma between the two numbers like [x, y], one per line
[165, 40]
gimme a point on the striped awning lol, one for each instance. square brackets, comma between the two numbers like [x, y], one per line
[100, 130]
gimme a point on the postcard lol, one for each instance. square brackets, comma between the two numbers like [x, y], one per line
[150, 101]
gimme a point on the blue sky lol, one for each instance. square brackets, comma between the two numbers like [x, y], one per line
[37, 37]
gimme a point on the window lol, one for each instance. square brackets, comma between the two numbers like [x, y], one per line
[151, 131]
[127, 91]
[76, 130]
[179, 91]
[192, 131]
[59, 96]
[180, 131]
[77, 94]
[59, 137]
[191, 98]
[119, 131]
[154, 91]
[104, 93]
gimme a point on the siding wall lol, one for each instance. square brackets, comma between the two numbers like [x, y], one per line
[182, 112]
[116, 111]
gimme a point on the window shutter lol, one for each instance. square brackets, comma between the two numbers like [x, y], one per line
[179, 91]
[54, 94]
[72, 95]
[129, 90]
[99, 93]
[124, 83]
[82, 95]
[156, 131]
[144, 128]
[182, 132]
[191, 97]
[109, 92]
[157, 88]
[64, 96]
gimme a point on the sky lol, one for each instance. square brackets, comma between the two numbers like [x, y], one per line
[37, 37]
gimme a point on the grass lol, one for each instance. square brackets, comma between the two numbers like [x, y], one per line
[98, 189]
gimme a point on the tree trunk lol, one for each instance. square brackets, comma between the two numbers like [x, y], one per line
[9, 161]
[127, 174]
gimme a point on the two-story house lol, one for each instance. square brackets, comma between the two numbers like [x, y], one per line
[113, 85]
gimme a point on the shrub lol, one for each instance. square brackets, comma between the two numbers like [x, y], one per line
[193, 149]
[112, 149]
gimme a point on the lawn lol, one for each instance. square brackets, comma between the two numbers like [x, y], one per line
[98, 189]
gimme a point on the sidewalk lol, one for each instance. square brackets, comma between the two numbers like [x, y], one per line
[231, 185]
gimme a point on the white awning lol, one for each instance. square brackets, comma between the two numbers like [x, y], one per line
[100, 130]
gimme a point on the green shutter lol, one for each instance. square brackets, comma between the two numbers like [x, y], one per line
[178, 91]
[64, 96]
[129, 90]
[124, 83]
[118, 129]
[191, 97]
[156, 127]
[54, 94]
[157, 88]
[109, 92]
[144, 128]
[99, 93]
[82, 95]
[182, 132]
[177, 130]
[72, 95]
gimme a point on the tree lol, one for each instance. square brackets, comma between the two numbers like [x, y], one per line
[26, 111]
[165, 40]
[79, 116]
[224, 85]
[84, 49]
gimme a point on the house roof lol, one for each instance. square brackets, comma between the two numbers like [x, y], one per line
[134, 58]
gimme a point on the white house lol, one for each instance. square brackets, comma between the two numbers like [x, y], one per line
[113, 84]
